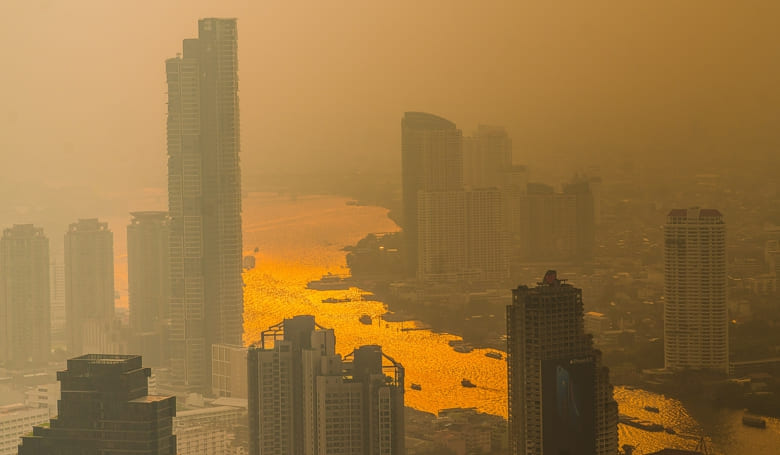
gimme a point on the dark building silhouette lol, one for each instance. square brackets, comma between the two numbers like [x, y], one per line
[204, 198]
[148, 283]
[24, 296]
[560, 399]
[555, 226]
[306, 399]
[89, 287]
[105, 410]
[431, 160]
[585, 217]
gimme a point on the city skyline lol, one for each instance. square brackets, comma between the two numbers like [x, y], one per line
[312, 281]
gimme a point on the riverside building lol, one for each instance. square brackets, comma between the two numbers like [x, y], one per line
[560, 398]
[306, 399]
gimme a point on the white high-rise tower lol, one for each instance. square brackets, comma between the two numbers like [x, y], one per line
[695, 313]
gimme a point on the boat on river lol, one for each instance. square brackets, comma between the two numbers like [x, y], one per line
[652, 409]
[463, 348]
[468, 384]
[753, 421]
[329, 282]
[641, 424]
[494, 355]
[365, 319]
[416, 386]
[333, 300]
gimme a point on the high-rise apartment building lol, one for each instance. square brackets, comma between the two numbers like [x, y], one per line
[453, 234]
[105, 409]
[585, 216]
[24, 296]
[462, 236]
[487, 156]
[305, 399]
[695, 311]
[431, 160]
[148, 283]
[17, 420]
[204, 198]
[487, 239]
[57, 298]
[441, 235]
[89, 286]
[214, 430]
[560, 399]
[228, 371]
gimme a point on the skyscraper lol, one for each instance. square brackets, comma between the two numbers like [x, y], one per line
[584, 202]
[89, 286]
[548, 225]
[306, 399]
[695, 311]
[105, 409]
[148, 283]
[204, 198]
[560, 399]
[487, 156]
[431, 160]
[441, 235]
[24, 296]
[57, 293]
[487, 239]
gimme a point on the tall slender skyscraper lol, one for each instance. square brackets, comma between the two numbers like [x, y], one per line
[148, 284]
[204, 199]
[24, 295]
[89, 286]
[431, 160]
[560, 399]
[695, 311]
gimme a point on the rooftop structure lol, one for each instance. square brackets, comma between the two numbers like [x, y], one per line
[105, 409]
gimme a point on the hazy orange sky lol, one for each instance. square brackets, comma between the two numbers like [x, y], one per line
[325, 83]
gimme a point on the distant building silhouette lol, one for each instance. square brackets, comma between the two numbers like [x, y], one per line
[585, 216]
[89, 287]
[695, 311]
[462, 236]
[560, 399]
[431, 160]
[306, 399]
[451, 233]
[105, 409]
[24, 296]
[148, 284]
[204, 197]
[552, 226]
[487, 156]
[57, 293]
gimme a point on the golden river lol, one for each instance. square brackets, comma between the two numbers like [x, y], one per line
[301, 238]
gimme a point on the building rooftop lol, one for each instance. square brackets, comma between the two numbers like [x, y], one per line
[89, 363]
[206, 411]
[150, 399]
[423, 120]
[703, 213]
